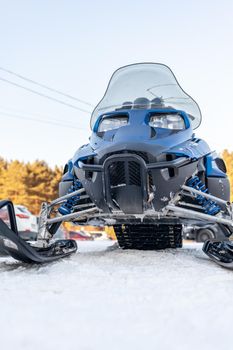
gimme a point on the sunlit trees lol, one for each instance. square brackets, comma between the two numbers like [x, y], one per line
[28, 183]
[228, 158]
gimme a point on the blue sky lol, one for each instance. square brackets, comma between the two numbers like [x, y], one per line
[75, 46]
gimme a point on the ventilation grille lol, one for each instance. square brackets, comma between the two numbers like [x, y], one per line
[125, 173]
[134, 173]
[117, 173]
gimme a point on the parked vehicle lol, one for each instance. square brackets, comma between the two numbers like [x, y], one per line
[4, 216]
[61, 233]
[80, 236]
[26, 223]
[202, 232]
[99, 235]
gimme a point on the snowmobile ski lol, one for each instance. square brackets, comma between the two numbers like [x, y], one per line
[220, 252]
[23, 251]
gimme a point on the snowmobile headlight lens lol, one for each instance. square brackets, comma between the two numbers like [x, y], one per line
[112, 123]
[167, 121]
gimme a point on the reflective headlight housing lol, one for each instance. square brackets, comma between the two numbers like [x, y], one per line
[111, 123]
[167, 121]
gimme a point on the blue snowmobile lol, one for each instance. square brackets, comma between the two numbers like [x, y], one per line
[144, 172]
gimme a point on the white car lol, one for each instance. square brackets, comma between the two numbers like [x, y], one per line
[26, 222]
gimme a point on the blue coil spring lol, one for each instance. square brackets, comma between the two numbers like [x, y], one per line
[67, 207]
[209, 206]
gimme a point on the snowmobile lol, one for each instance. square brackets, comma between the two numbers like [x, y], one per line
[144, 172]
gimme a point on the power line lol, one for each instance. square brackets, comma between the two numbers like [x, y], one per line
[46, 87]
[36, 120]
[56, 123]
[44, 95]
[14, 111]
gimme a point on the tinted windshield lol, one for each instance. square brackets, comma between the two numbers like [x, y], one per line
[146, 86]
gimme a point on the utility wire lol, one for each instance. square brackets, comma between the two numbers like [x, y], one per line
[44, 95]
[46, 87]
[46, 117]
[41, 121]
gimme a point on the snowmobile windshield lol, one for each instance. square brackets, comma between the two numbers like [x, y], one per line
[146, 86]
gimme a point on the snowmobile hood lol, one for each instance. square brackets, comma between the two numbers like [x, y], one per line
[146, 86]
[137, 134]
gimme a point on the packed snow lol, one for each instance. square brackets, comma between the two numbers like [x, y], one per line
[107, 298]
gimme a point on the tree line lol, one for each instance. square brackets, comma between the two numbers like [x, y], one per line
[29, 184]
[32, 183]
[228, 158]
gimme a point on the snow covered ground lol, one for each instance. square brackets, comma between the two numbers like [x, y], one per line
[106, 298]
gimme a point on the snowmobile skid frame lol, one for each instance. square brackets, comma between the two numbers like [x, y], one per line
[46, 250]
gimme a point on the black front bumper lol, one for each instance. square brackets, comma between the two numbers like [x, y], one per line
[176, 163]
[126, 181]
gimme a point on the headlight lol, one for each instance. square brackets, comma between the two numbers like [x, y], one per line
[167, 121]
[107, 124]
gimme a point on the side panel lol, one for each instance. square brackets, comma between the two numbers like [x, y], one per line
[64, 187]
[216, 177]
[219, 187]
[166, 185]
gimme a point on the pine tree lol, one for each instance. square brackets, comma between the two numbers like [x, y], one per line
[57, 174]
[29, 184]
[3, 165]
[42, 182]
[228, 158]
[13, 182]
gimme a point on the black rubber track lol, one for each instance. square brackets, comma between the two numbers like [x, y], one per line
[149, 236]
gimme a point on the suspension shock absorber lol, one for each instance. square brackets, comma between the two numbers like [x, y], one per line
[209, 206]
[66, 208]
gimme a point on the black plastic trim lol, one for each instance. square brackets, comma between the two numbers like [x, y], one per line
[176, 163]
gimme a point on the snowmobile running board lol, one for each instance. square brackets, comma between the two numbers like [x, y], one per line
[20, 250]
